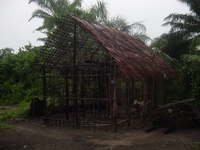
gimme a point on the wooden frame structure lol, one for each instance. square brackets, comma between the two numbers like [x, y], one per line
[99, 77]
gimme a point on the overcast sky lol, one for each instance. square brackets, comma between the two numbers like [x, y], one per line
[16, 31]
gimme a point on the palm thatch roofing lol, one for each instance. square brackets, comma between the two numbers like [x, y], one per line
[133, 58]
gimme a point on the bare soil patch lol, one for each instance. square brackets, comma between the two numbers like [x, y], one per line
[34, 135]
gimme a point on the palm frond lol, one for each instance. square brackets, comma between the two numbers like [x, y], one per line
[42, 39]
[41, 28]
[47, 5]
[186, 23]
[194, 5]
[175, 17]
[39, 14]
[195, 45]
[76, 3]
[142, 36]
[160, 42]
[117, 22]
[99, 11]
[138, 27]
[51, 22]
[174, 44]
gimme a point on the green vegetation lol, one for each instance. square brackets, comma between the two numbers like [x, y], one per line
[4, 126]
[184, 34]
[51, 11]
[187, 84]
[180, 48]
[20, 110]
[16, 79]
[196, 147]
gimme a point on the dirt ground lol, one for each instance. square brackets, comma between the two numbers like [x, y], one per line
[34, 135]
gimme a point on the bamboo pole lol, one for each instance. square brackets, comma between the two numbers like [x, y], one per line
[115, 100]
[44, 90]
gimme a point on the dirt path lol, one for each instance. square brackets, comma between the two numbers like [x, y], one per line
[34, 135]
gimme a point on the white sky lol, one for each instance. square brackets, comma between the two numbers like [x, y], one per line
[16, 31]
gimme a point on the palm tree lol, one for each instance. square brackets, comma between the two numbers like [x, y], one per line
[189, 24]
[99, 13]
[185, 29]
[173, 44]
[51, 12]
[136, 29]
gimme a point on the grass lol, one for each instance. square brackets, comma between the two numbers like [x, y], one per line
[22, 109]
[196, 147]
[4, 126]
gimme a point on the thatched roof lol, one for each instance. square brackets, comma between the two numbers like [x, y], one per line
[133, 58]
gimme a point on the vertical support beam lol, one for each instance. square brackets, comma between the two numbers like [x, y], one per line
[115, 99]
[44, 90]
[67, 95]
[75, 73]
[110, 89]
[128, 101]
[159, 90]
[133, 109]
[82, 95]
[146, 98]
[74, 56]
[154, 96]
[107, 89]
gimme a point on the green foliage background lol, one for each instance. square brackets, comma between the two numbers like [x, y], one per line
[16, 77]
[187, 84]
[180, 48]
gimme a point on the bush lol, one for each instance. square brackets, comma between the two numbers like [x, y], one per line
[187, 85]
[21, 110]
[16, 76]
[196, 147]
[4, 126]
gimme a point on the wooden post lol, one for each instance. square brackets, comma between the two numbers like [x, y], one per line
[115, 99]
[159, 90]
[154, 96]
[67, 96]
[75, 85]
[44, 90]
[145, 99]
[82, 95]
[128, 102]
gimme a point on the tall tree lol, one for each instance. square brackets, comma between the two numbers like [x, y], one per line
[100, 14]
[51, 12]
[5, 51]
[184, 32]
[16, 84]
[183, 43]
[173, 44]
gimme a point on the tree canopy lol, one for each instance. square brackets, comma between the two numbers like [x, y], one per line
[180, 48]
[182, 45]
[51, 11]
[16, 82]
[183, 36]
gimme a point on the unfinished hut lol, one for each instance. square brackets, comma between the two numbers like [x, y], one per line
[98, 77]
